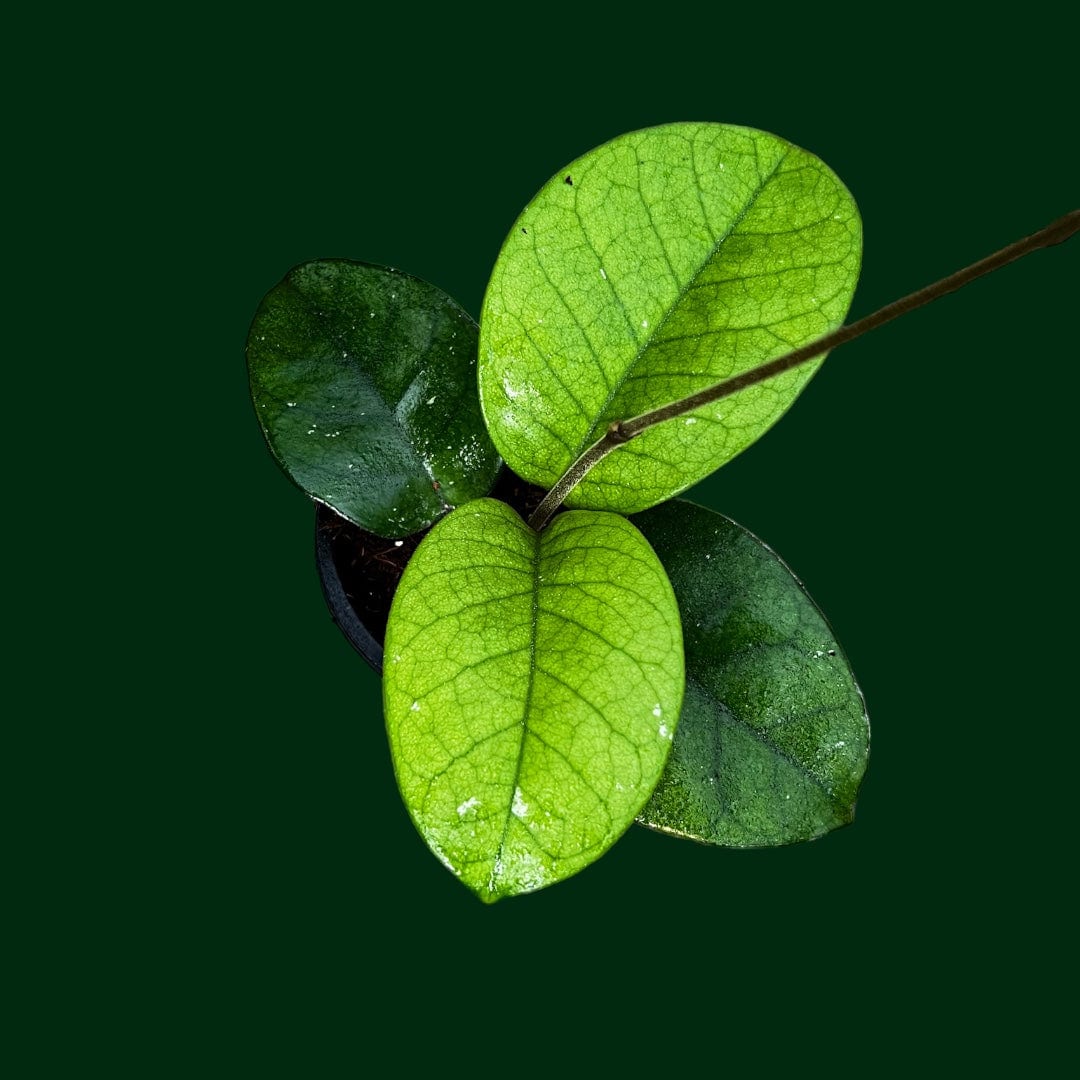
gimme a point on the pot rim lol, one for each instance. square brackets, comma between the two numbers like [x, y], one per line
[341, 610]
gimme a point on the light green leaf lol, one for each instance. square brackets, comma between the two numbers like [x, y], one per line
[658, 264]
[364, 381]
[532, 684]
[773, 737]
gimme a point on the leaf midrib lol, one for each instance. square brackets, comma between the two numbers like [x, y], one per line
[534, 622]
[336, 335]
[718, 242]
[836, 802]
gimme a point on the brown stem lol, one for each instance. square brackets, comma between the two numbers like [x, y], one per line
[622, 431]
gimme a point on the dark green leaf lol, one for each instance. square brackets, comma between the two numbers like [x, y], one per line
[364, 381]
[532, 684]
[652, 267]
[773, 737]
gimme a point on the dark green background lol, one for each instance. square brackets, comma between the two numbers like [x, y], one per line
[226, 872]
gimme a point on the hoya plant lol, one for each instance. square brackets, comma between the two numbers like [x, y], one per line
[617, 654]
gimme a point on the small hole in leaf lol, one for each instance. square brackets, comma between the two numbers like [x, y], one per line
[569, 181]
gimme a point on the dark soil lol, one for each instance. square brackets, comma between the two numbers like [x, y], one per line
[368, 567]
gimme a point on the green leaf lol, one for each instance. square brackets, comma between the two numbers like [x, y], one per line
[658, 264]
[773, 737]
[364, 381]
[531, 683]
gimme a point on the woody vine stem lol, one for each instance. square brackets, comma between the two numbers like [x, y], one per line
[622, 431]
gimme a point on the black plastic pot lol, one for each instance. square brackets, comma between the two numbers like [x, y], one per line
[359, 571]
[351, 601]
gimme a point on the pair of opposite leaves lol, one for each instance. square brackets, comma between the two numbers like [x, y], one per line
[534, 682]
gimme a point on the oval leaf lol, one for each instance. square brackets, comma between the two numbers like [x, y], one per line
[773, 737]
[364, 381]
[656, 265]
[531, 684]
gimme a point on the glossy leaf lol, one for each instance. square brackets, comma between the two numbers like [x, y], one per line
[364, 381]
[773, 737]
[658, 264]
[532, 684]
